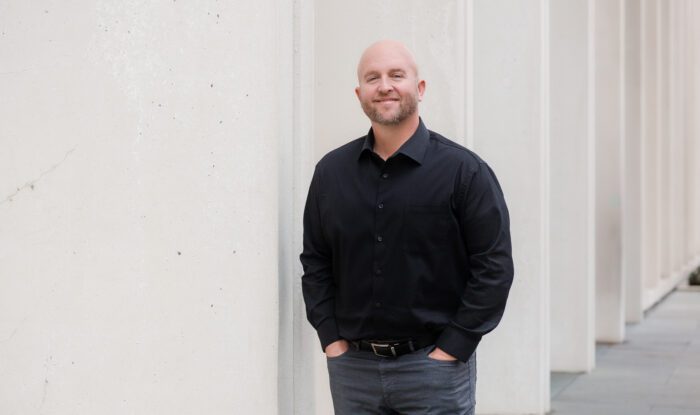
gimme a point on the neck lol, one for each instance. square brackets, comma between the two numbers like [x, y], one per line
[389, 138]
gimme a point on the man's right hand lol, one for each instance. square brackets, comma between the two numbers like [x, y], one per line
[337, 348]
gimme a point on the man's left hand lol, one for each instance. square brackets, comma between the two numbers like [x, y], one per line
[439, 354]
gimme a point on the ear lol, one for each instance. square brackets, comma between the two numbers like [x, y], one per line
[357, 92]
[421, 89]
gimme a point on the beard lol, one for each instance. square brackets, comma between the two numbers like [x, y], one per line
[407, 106]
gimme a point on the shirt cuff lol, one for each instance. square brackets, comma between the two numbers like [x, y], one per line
[327, 332]
[457, 343]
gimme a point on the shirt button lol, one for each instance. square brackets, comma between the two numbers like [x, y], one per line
[379, 238]
[377, 304]
[385, 175]
[378, 271]
[380, 206]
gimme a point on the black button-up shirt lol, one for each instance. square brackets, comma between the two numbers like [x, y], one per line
[414, 246]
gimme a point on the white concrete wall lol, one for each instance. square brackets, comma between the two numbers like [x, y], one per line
[609, 110]
[138, 208]
[572, 156]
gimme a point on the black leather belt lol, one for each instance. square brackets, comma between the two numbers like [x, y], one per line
[393, 348]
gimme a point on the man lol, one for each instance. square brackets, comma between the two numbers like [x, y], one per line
[407, 254]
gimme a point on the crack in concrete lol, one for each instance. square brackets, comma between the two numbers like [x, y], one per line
[17, 71]
[43, 397]
[11, 335]
[30, 184]
[46, 382]
[15, 330]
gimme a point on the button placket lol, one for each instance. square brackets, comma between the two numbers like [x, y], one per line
[380, 241]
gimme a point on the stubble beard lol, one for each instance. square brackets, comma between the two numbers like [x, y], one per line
[407, 107]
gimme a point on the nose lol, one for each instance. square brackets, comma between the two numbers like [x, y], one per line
[384, 85]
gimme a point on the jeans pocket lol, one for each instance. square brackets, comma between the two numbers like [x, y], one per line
[340, 356]
[454, 362]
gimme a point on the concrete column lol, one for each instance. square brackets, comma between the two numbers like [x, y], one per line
[677, 84]
[695, 138]
[632, 174]
[609, 101]
[649, 134]
[309, 386]
[138, 207]
[664, 142]
[692, 153]
[687, 91]
[511, 131]
[689, 257]
[572, 188]
[696, 127]
[293, 23]
[690, 132]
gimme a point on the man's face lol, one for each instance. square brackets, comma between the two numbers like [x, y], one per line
[389, 88]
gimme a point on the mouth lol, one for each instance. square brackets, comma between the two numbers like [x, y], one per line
[386, 100]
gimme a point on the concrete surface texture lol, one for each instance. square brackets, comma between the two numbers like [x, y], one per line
[138, 221]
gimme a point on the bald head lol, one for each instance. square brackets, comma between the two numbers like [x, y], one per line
[383, 52]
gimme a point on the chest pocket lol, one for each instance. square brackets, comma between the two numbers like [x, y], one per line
[425, 228]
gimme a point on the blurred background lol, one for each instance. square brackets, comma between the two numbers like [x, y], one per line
[155, 158]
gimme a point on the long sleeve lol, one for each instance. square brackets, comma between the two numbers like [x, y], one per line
[317, 282]
[485, 227]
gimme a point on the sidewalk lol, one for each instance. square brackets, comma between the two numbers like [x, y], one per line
[656, 371]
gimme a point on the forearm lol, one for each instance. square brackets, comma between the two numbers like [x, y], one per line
[317, 282]
[485, 226]
[319, 298]
[481, 308]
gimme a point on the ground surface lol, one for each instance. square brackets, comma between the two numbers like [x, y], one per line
[656, 371]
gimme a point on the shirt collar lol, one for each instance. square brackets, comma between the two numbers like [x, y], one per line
[414, 148]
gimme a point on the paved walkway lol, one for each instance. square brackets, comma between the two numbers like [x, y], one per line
[656, 371]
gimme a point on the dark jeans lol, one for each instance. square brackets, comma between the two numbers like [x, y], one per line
[412, 384]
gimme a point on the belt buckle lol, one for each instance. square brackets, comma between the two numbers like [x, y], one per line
[379, 346]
